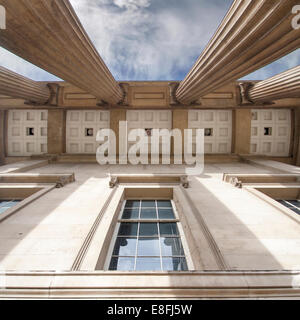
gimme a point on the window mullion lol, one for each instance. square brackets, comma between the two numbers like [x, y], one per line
[159, 243]
[137, 237]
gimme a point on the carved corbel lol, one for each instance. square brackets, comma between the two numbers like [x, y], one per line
[113, 182]
[54, 92]
[53, 99]
[236, 182]
[184, 182]
[173, 86]
[101, 103]
[125, 88]
[244, 93]
[62, 181]
[196, 103]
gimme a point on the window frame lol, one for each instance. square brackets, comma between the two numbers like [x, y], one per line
[176, 220]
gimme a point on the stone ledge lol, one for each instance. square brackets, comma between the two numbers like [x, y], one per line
[84, 285]
[23, 166]
[59, 179]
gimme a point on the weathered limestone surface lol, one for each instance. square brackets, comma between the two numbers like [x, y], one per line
[47, 234]
[242, 131]
[23, 166]
[50, 35]
[56, 131]
[180, 121]
[115, 117]
[17, 86]
[282, 86]
[252, 35]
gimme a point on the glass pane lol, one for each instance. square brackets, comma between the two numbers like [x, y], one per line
[148, 264]
[4, 203]
[168, 229]
[171, 247]
[2, 209]
[12, 204]
[130, 214]
[295, 203]
[148, 229]
[148, 204]
[132, 204]
[166, 214]
[291, 204]
[148, 213]
[148, 247]
[164, 204]
[128, 229]
[174, 264]
[122, 264]
[125, 247]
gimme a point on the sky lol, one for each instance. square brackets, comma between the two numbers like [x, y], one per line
[149, 39]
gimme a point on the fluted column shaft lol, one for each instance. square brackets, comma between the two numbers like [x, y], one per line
[17, 86]
[253, 34]
[49, 34]
[281, 86]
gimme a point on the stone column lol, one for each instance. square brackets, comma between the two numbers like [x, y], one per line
[282, 86]
[17, 86]
[252, 35]
[50, 35]
[56, 131]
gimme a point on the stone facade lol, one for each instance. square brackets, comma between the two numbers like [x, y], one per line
[239, 239]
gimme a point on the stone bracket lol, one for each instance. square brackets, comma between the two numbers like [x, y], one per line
[102, 103]
[53, 99]
[64, 180]
[113, 182]
[54, 92]
[173, 86]
[125, 88]
[185, 182]
[244, 93]
[236, 182]
[245, 100]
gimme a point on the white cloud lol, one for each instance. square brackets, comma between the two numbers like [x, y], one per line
[132, 4]
[149, 40]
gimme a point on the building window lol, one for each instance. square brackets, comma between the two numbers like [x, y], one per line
[267, 131]
[148, 238]
[7, 204]
[293, 205]
[208, 132]
[89, 132]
